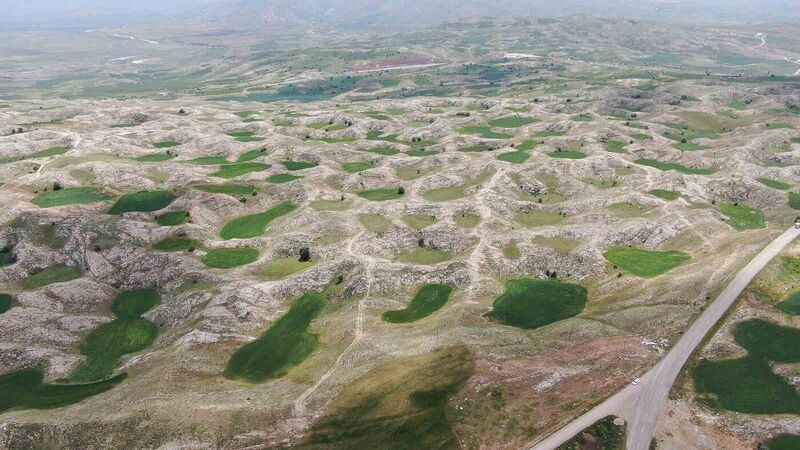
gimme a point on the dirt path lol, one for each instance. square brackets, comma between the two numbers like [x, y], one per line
[300, 403]
[640, 405]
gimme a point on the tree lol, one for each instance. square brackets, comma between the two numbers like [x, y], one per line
[305, 254]
[401, 190]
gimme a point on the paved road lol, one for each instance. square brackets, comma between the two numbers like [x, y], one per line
[640, 405]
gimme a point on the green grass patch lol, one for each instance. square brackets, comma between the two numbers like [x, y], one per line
[26, 389]
[526, 145]
[742, 217]
[517, 157]
[775, 184]
[280, 178]
[546, 134]
[144, 201]
[794, 200]
[769, 341]
[6, 257]
[283, 267]
[444, 194]
[665, 194]
[484, 131]
[667, 166]
[784, 442]
[567, 154]
[207, 161]
[511, 250]
[297, 165]
[6, 302]
[245, 136]
[227, 189]
[154, 157]
[251, 155]
[582, 118]
[627, 210]
[466, 219]
[421, 152]
[238, 169]
[253, 225]
[475, 148]
[329, 205]
[689, 146]
[354, 167]
[615, 146]
[428, 299]
[645, 263]
[166, 144]
[791, 305]
[375, 223]
[284, 345]
[226, 258]
[641, 136]
[425, 256]
[380, 194]
[172, 218]
[538, 218]
[530, 303]
[48, 152]
[747, 385]
[560, 244]
[69, 196]
[419, 221]
[128, 333]
[50, 275]
[176, 244]
[384, 151]
[512, 122]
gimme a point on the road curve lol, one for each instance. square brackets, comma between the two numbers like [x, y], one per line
[640, 405]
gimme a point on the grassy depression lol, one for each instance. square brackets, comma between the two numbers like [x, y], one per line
[381, 194]
[26, 389]
[227, 258]
[144, 201]
[128, 333]
[50, 275]
[530, 303]
[429, 299]
[284, 345]
[253, 225]
[238, 169]
[742, 217]
[283, 267]
[280, 178]
[69, 196]
[172, 218]
[6, 302]
[645, 263]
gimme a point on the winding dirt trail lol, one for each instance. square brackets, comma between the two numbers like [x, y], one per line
[300, 403]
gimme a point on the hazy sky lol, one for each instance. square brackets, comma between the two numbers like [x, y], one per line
[81, 13]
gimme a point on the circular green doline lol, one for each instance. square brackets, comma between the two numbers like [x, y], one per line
[226, 258]
[530, 303]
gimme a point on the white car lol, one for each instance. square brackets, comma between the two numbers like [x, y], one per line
[635, 381]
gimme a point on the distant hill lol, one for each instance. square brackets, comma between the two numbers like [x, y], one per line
[351, 14]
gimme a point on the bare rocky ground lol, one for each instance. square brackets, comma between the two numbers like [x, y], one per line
[175, 395]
